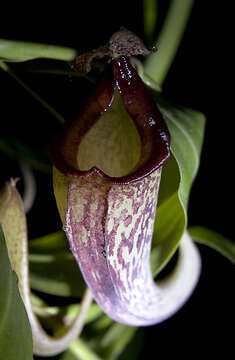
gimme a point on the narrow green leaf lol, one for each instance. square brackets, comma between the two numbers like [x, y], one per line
[66, 313]
[216, 241]
[15, 331]
[109, 339]
[60, 275]
[81, 351]
[187, 130]
[54, 242]
[134, 347]
[46, 66]
[40, 308]
[53, 67]
[18, 149]
[36, 158]
[101, 325]
[69, 356]
[14, 51]
[32, 92]
[6, 148]
[93, 313]
[115, 340]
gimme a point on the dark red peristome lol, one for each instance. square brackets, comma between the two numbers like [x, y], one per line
[154, 135]
[155, 138]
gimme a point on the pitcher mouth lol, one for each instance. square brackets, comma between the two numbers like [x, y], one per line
[148, 136]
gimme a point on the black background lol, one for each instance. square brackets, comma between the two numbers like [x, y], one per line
[201, 78]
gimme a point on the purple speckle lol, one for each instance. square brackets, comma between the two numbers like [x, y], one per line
[128, 220]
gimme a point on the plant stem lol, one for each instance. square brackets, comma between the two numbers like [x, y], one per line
[150, 17]
[82, 352]
[158, 64]
[6, 68]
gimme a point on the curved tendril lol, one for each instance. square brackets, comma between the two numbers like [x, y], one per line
[12, 210]
[30, 186]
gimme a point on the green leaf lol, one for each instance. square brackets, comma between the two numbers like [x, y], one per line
[110, 339]
[53, 67]
[67, 314]
[81, 351]
[186, 127]
[37, 158]
[46, 66]
[216, 241]
[115, 340]
[56, 274]
[68, 356]
[53, 112]
[61, 275]
[18, 149]
[15, 330]
[6, 148]
[134, 347]
[14, 51]
[54, 242]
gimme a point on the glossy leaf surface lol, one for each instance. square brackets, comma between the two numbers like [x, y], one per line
[186, 127]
